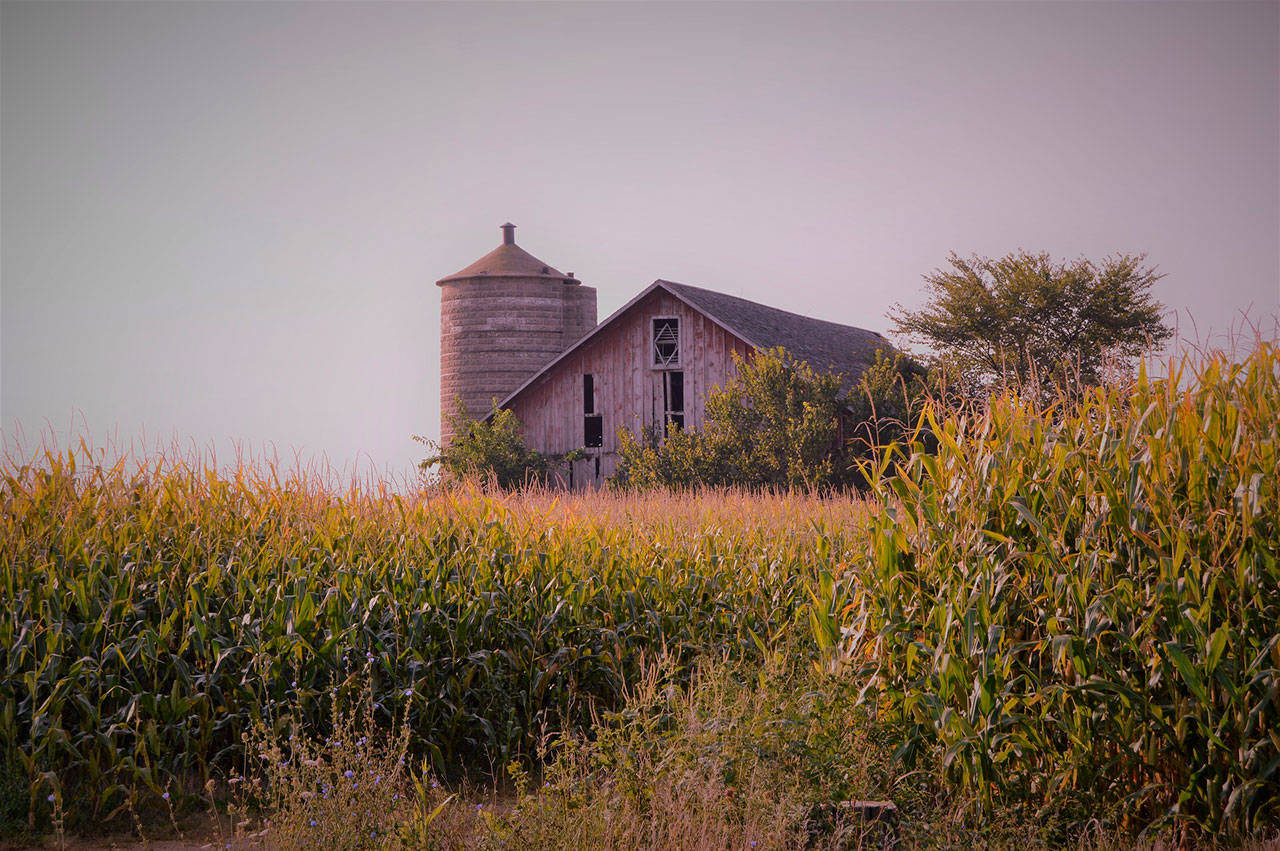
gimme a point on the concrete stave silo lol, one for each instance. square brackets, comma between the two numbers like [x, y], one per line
[502, 319]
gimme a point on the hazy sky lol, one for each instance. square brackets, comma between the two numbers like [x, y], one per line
[223, 222]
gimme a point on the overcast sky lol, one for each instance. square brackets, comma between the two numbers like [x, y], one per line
[223, 222]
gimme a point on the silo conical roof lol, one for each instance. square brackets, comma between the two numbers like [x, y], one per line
[507, 260]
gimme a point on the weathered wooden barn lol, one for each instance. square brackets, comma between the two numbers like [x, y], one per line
[650, 364]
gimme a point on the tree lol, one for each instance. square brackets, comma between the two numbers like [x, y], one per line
[1028, 320]
[776, 426]
[491, 448]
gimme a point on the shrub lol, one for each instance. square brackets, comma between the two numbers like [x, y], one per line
[491, 449]
[776, 427]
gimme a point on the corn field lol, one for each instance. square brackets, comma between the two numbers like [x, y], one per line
[1081, 607]
[1077, 609]
[151, 616]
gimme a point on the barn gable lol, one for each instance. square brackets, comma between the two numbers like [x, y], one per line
[654, 361]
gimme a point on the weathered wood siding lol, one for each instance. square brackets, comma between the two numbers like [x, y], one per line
[628, 386]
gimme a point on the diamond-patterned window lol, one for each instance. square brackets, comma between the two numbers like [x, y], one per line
[666, 342]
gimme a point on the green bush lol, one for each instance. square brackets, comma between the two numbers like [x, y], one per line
[1081, 606]
[777, 426]
[492, 449]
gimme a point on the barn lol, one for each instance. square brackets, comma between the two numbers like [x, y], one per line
[648, 365]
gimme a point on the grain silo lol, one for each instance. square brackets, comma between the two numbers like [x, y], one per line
[502, 319]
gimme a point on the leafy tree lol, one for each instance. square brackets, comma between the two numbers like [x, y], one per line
[1028, 320]
[491, 448]
[776, 426]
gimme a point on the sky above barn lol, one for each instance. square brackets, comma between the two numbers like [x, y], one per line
[221, 223]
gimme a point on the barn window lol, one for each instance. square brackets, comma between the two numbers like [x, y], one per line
[666, 342]
[592, 422]
[593, 431]
[672, 401]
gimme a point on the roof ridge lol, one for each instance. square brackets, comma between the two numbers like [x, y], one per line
[758, 306]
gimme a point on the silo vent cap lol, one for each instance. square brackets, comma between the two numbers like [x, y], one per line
[508, 234]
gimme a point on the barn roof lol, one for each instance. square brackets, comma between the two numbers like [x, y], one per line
[507, 260]
[826, 346]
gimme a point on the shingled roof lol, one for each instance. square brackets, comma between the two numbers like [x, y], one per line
[826, 346]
